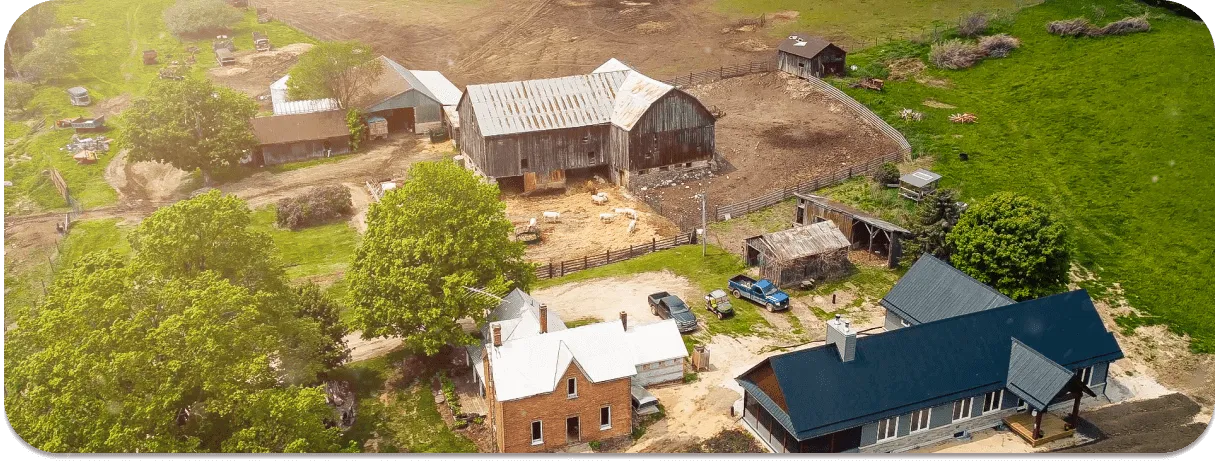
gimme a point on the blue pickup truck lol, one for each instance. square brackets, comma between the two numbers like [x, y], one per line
[763, 292]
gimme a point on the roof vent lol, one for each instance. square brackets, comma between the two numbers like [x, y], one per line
[793, 37]
[801, 43]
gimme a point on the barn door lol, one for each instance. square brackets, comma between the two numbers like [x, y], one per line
[531, 181]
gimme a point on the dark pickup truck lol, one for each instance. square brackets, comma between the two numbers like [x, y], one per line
[668, 306]
[763, 292]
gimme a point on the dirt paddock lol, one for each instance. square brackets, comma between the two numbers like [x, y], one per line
[604, 298]
[579, 231]
[777, 131]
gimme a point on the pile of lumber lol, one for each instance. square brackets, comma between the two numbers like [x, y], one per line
[963, 118]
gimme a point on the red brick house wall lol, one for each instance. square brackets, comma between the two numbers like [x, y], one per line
[512, 420]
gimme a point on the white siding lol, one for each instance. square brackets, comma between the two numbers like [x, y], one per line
[659, 372]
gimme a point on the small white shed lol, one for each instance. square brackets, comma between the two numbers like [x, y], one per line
[660, 354]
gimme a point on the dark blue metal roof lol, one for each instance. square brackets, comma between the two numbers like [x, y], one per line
[932, 290]
[935, 363]
[1034, 377]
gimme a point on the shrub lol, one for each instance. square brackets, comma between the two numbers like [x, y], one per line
[887, 174]
[317, 206]
[196, 17]
[874, 70]
[973, 25]
[1077, 27]
[998, 46]
[729, 441]
[356, 127]
[1126, 26]
[17, 95]
[595, 445]
[50, 58]
[954, 54]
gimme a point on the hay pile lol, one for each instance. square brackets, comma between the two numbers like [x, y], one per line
[998, 46]
[1081, 27]
[955, 54]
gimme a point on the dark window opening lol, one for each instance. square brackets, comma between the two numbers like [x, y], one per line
[571, 387]
[524, 163]
[605, 417]
[536, 432]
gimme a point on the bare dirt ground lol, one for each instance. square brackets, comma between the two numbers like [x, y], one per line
[256, 71]
[580, 231]
[778, 131]
[604, 298]
[480, 42]
[146, 181]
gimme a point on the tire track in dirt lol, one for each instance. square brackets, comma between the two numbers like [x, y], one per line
[480, 53]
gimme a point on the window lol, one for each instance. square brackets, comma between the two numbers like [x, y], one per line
[524, 163]
[801, 64]
[962, 409]
[571, 388]
[1084, 375]
[605, 418]
[886, 429]
[536, 432]
[905, 323]
[920, 420]
[992, 401]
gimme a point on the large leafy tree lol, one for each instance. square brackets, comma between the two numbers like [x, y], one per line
[116, 361]
[190, 124]
[29, 26]
[1013, 244]
[50, 58]
[936, 216]
[196, 17]
[312, 303]
[444, 231]
[341, 70]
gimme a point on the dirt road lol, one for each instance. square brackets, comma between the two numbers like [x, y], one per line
[1161, 425]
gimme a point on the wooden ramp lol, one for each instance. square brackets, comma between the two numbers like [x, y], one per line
[1052, 428]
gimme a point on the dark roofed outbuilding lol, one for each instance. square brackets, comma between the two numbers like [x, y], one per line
[956, 370]
[805, 55]
[934, 290]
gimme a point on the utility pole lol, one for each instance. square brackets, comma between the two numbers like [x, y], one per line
[703, 231]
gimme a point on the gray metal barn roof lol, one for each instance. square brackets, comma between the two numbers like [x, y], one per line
[804, 45]
[860, 215]
[932, 290]
[903, 370]
[800, 242]
[920, 178]
[620, 97]
[1033, 377]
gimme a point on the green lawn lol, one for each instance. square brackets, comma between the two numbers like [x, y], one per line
[312, 251]
[110, 41]
[858, 23]
[1115, 134]
[406, 420]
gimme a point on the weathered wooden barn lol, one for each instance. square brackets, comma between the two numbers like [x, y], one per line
[807, 56]
[296, 137]
[411, 100]
[613, 122]
[863, 230]
[813, 252]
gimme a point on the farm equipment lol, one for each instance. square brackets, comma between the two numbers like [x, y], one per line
[173, 71]
[223, 42]
[378, 127]
[261, 42]
[719, 304]
[82, 124]
[763, 292]
[963, 118]
[150, 57]
[874, 84]
[224, 57]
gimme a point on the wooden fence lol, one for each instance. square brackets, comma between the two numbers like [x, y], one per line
[552, 270]
[713, 75]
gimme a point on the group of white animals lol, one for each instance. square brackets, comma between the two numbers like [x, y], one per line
[600, 198]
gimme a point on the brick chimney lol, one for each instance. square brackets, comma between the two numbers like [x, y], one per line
[496, 339]
[839, 333]
[622, 316]
[542, 318]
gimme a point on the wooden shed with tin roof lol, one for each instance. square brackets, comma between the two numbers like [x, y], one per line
[813, 252]
[806, 56]
[296, 137]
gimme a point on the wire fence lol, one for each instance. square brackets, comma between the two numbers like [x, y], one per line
[723, 72]
[727, 212]
[552, 270]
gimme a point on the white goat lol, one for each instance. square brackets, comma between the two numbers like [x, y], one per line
[630, 228]
[533, 223]
[627, 211]
[607, 217]
[550, 216]
[601, 198]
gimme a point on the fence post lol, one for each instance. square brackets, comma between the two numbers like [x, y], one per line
[607, 256]
[721, 72]
[550, 271]
[562, 268]
[653, 244]
[586, 262]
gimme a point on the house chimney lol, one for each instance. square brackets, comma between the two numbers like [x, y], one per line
[839, 333]
[495, 336]
[622, 316]
[542, 317]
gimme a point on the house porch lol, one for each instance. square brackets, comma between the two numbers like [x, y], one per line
[1052, 427]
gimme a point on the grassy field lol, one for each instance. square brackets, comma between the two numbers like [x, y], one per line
[312, 251]
[406, 420]
[856, 24]
[23, 285]
[110, 37]
[1115, 134]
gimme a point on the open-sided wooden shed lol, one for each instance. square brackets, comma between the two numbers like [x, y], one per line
[813, 252]
[863, 230]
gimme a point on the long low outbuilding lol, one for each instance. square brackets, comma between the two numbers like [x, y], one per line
[297, 137]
